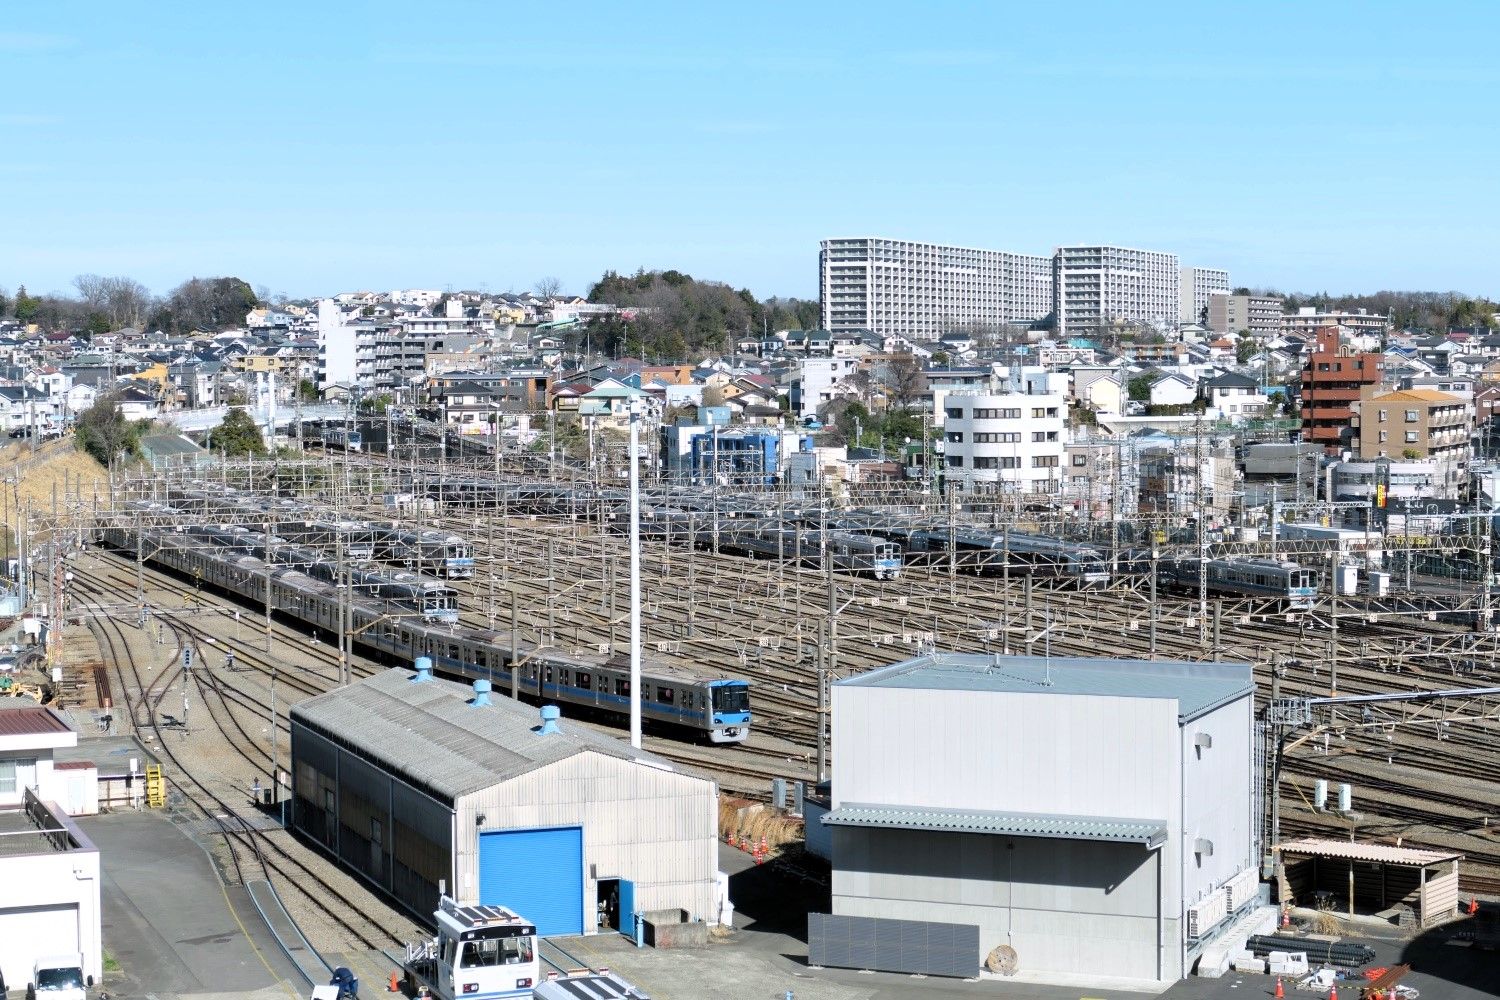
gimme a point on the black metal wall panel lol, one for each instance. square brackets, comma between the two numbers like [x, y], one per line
[909, 946]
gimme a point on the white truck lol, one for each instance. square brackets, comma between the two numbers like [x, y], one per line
[58, 977]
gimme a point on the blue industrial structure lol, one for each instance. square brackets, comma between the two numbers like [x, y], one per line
[703, 454]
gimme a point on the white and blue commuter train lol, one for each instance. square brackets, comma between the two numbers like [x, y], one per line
[701, 702]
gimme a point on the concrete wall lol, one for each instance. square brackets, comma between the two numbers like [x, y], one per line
[1216, 799]
[37, 890]
[658, 828]
[1066, 906]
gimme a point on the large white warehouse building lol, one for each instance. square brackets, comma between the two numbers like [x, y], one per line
[1058, 817]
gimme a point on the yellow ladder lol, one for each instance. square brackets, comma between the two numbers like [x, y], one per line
[156, 788]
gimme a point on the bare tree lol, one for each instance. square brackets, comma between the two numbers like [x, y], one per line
[548, 288]
[121, 301]
[903, 380]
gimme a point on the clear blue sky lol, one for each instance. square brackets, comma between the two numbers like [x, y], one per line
[318, 147]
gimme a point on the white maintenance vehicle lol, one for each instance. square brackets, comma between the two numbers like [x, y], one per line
[491, 953]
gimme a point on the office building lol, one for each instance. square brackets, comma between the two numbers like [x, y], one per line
[1414, 425]
[923, 290]
[1011, 441]
[1101, 286]
[1195, 285]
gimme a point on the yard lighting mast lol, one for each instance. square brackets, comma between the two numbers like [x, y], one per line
[635, 574]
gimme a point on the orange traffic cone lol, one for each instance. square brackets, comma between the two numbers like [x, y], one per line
[395, 986]
[1286, 916]
[1473, 906]
[1280, 990]
[1333, 992]
[763, 848]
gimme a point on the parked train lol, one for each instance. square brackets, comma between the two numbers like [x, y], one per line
[991, 552]
[710, 706]
[435, 600]
[1279, 580]
[429, 551]
[851, 552]
[335, 436]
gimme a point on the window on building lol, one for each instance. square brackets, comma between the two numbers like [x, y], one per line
[7, 777]
[955, 461]
[957, 437]
[1411, 416]
[1383, 437]
[1079, 461]
[1010, 462]
[1044, 462]
[1411, 437]
[955, 412]
[1037, 412]
[986, 462]
[1382, 416]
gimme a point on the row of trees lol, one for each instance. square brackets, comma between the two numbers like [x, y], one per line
[103, 432]
[1431, 311]
[101, 304]
[680, 316]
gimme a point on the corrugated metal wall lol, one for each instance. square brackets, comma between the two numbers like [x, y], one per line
[657, 828]
[397, 838]
[1064, 905]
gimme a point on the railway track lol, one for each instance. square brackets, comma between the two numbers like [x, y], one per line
[250, 849]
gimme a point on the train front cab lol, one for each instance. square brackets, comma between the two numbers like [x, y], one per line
[487, 952]
[730, 704]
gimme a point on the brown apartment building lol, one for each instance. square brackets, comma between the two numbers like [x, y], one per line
[1332, 377]
[1414, 425]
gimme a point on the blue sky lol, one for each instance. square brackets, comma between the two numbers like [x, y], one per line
[318, 147]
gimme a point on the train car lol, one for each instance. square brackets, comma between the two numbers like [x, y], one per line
[342, 439]
[851, 552]
[1294, 585]
[427, 550]
[356, 538]
[988, 552]
[696, 702]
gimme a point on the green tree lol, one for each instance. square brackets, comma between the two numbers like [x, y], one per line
[376, 404]
[1139, 388]
[4, 302]
[27, 306]
[307, 390]
[1245, 347]
[236, 435]
[103, 432]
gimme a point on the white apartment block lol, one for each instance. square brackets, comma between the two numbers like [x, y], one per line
[923, 290]
[1260, 314]
[1308, 320]
[1095, 286]
[1195, 285]
[1007, 442]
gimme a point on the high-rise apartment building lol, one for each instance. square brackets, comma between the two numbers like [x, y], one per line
[1195, 285]
[1097, 286]
[924, 290]
[1260, 314]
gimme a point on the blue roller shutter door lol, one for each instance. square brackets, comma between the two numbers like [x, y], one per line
[536, 873]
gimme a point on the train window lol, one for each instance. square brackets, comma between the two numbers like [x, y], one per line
[405, 637]
[665, 695]
[622, 687]
[547, 675]
[584, 680]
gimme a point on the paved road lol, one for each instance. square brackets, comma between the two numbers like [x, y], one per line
[168, 920]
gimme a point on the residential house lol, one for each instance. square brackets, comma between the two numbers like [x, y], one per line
[1171, 388]
[1236, 397]
[138, 404]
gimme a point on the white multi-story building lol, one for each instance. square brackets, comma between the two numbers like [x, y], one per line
[924, 290]
[346, 348]
[1005, 442]
[1195, 285]
[1308, 320]
[1095, 286]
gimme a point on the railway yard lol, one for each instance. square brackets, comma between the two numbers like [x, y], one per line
[1424, 772]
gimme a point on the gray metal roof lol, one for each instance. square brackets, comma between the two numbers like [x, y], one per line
[1196, 687]
[1151, 833]
[429, 734]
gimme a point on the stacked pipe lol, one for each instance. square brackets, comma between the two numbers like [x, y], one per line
[1342, 954]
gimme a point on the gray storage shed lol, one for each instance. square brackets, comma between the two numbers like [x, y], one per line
[421, 786]
[1089, 817]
